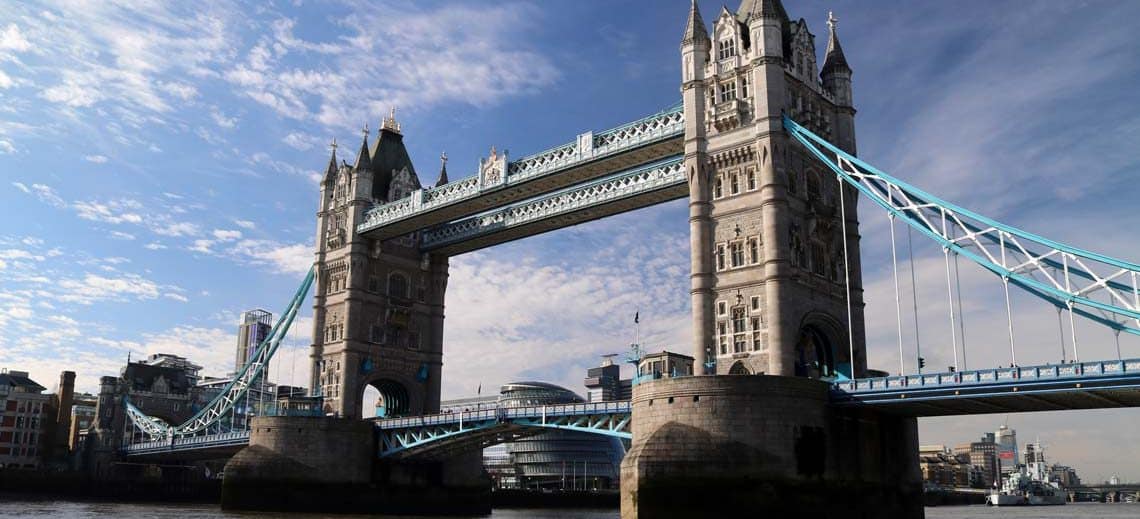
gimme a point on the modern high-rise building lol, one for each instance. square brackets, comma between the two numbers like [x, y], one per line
[604, 383]
[253, 328]
[1006, 440]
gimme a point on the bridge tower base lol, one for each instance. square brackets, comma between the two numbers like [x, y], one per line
[330, 465]
[765, 446]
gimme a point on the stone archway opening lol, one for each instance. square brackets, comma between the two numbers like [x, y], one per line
[816, 354]
[384, 399]
[738, 368]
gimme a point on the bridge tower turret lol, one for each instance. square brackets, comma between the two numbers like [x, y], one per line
[769, 287]
[378, 305]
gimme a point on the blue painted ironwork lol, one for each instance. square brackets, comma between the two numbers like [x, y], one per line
[172, 444]
[402, 436]
[588, 147]
[1103, 289]
[211, 416]
[1025, 382]
[645, 179]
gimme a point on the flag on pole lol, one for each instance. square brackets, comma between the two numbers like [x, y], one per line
[636, 316]
[480, 390]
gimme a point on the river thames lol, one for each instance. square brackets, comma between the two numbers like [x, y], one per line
[80, 510]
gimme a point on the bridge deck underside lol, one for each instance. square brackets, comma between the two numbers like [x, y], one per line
[514, 192]
[491, 236]
[188, 454]
[1005, 397]
[466, 442]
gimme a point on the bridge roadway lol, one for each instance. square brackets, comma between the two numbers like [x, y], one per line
[590, 157]
[1050, 387]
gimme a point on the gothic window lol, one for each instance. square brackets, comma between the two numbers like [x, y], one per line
[727, 91]
[818, 259]
[753, 251]
[738, 331]
[721, 308]
[735, 185]
[718, 187]
[751, 179]
[797, 246]
[720, 257]
[757, 340]
[397, 285]
[755, 303]
[744, 86]
[738, 319]
[726, 48]
[737, 254]
[723, 344]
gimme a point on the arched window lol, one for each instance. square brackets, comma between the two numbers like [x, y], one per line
[397, 285]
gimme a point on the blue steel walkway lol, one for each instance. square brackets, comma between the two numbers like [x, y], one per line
[1051, 387]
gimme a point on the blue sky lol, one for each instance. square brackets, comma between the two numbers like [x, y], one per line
[159, 162]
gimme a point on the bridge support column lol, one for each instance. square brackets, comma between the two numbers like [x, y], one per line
[768, 446]
[330, 465]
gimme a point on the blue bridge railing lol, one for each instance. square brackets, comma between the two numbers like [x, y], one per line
[1078, 370]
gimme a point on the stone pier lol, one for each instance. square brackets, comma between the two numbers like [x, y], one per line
[765, 446]
[330, 465]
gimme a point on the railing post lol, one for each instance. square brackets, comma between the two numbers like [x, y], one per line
[585, 147]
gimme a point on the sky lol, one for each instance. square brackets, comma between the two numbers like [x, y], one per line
[159, 166]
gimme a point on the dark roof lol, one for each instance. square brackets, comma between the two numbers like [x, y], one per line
[761, 9]
[695, 29]
[363, 161]
[388, 155]
[330, 173]
[10, 380]
[442, 175]
[834, 60]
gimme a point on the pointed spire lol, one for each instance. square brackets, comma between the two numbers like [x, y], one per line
[834, 59]
[331, 172]
[756, 9]
[442, 170]
[364, 159]
[695, 29]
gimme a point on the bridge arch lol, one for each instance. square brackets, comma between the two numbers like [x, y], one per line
[738, 368]
[818, 351]
[387, 394]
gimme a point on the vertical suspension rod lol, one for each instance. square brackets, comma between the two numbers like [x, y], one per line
[847, 277]
[914, 298]
[950, 293]
[961, 314]
[1061, 334]
[1072, 323]
[895, 270]
[1008, 309]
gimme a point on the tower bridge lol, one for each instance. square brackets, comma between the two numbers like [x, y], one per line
[763, 146]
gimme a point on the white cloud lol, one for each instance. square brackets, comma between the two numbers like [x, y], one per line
[11, 38]
[19, 254]
[227, 235]
[119, 235]
[202, 246]
[180, 90]
[456, 53]
[7, 147]
[221, 119]
[93, 287]
[245, 224]
[120, 211]
[175, 229]
[98, 159]
[5, 80]
[154, 246]
[301, 141]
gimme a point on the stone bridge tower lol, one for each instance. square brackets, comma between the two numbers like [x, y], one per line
[769, 291]
[378, 306]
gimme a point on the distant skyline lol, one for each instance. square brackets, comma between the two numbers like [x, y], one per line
[159, 168]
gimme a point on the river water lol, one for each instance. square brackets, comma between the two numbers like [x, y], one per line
[76, 510]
